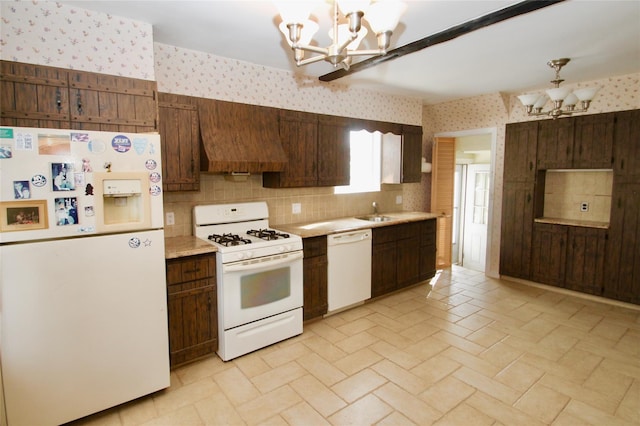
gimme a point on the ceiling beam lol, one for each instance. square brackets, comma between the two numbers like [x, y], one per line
[446, 35]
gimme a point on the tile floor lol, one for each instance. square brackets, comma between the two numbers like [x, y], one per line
[468, 351]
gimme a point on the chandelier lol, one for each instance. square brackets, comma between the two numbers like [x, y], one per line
[347, 31]
[559, 96]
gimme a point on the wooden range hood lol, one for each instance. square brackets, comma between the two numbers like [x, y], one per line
[239, 138]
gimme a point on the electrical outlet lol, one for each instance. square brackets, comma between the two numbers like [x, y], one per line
[169, 218]
[296, 208]
[398, 199]
[584, 206]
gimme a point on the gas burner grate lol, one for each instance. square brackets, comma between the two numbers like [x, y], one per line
[267, 234]
[229, 239]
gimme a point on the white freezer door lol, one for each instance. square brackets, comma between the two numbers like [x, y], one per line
[84, 325]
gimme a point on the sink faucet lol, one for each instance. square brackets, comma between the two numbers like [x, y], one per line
[375, 208]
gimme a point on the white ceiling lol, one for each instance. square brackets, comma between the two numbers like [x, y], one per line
[602, 38]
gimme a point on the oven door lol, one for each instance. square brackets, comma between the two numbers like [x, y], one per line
[254, 289]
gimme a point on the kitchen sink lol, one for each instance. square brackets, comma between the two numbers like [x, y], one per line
[374, 218]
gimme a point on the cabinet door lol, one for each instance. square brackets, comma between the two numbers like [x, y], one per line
[627, 146]
[299, 137]
[179, 130]
[111, 103]
[315, 271]
[549, 253]
[555, 144]
[427, 249]
[517, 224]
[33, 96]
[585, 259]
[383, 268]
[334, 154]
[521, 140]
[408, 257]
[593, 144]
[622, 265]
[192, 320]
[411, 154]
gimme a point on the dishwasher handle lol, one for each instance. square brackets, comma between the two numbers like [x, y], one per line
[349, 237]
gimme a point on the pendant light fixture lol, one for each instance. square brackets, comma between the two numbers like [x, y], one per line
[559, 96]
[347, 31]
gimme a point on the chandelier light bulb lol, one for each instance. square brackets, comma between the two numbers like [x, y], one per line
[384, 15]
[587, 93]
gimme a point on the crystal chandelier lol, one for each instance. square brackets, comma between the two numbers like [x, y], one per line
[559, 96]
[347, 31]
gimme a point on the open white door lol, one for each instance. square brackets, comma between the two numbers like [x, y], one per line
[476, 217]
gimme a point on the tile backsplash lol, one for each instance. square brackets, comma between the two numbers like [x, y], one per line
[316, 203]
[565, 191]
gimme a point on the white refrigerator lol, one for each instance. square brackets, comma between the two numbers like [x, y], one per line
[83, 311]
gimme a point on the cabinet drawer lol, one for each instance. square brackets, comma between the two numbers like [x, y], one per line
[190, 268]
[314, 246]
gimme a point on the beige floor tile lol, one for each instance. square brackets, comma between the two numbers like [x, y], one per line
[303, 414]
[357, 326]
[324, 348]
[251, 364]
[139, 412]
[358, 385]
[401, 377]
[465, 414]
[419, 331]
[519, 375]
[629, 408]
[217, 410]
[321, 369]
[390, 336]
[610, 382]
[542, 403]
[285, 354]
[171, 400]
[591, 415]
[324, 330]
[486, 336]
[487, 385]
[412, 407]
[447, 393]
[503, 413]
[356, 342]
[199, 370]
[187, 416]
[236, 386]
[395, 419]
[427, 348]
[435, 369]
[392, 353]
[319, 396]
[500, 355]
[279, 376]
[268, 405]
[471, 361]
[599, 401]
[357, 361]
[365, 411]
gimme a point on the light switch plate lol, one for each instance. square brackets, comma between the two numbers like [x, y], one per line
[296, 208]
[169, 218]
[398, 199]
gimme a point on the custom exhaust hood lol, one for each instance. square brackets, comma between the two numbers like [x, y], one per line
[239, 138]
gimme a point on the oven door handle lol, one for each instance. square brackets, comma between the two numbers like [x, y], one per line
[247, 265]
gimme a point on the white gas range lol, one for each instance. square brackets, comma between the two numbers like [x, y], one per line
[259, 276]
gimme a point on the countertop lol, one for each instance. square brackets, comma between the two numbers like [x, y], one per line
[333, 226]
[175, 247]
[569, 222]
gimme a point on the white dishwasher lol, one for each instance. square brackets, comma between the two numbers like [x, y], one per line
[349, 257]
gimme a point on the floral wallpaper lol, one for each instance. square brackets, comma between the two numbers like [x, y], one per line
[189, 72]
[53, 34]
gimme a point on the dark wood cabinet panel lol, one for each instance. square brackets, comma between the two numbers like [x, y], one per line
[622, 264]
[315, 264]
[593, 143]
[548, 259]
[408, 272]
[411, 154]
[383, 267]
[555, 143]
[585, 259]
[427, 249]
[520, 152]
[299, 137]
[626, 166]
[180, 134]
[516, 232]
[334, 154]
[40, 96]
[34, 96]
[192, 308]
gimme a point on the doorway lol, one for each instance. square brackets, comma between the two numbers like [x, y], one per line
[472, 187]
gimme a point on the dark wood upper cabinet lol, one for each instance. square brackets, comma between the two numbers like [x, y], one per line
[180, 133]
[520, 152]
[334, 152]
[593, 141]
[40, 96]
[626, 166]
[555, 143]
[411, 154]
[34, 96]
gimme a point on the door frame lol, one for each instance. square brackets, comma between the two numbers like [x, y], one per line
[490, 252]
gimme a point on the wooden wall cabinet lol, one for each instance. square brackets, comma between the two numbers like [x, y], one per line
[411, 154]
[315, 264]
[41, 96]
[626, 166]
[192, 308]
[555, 143]
[180, 134]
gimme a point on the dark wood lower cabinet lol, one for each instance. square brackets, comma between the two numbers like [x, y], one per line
[585, 259]
[427, 261]
[517, 226]
[315, 264]
[192, 308]
[549, 253]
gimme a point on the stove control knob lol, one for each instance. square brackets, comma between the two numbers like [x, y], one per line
[244, 255]
[282, 249]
